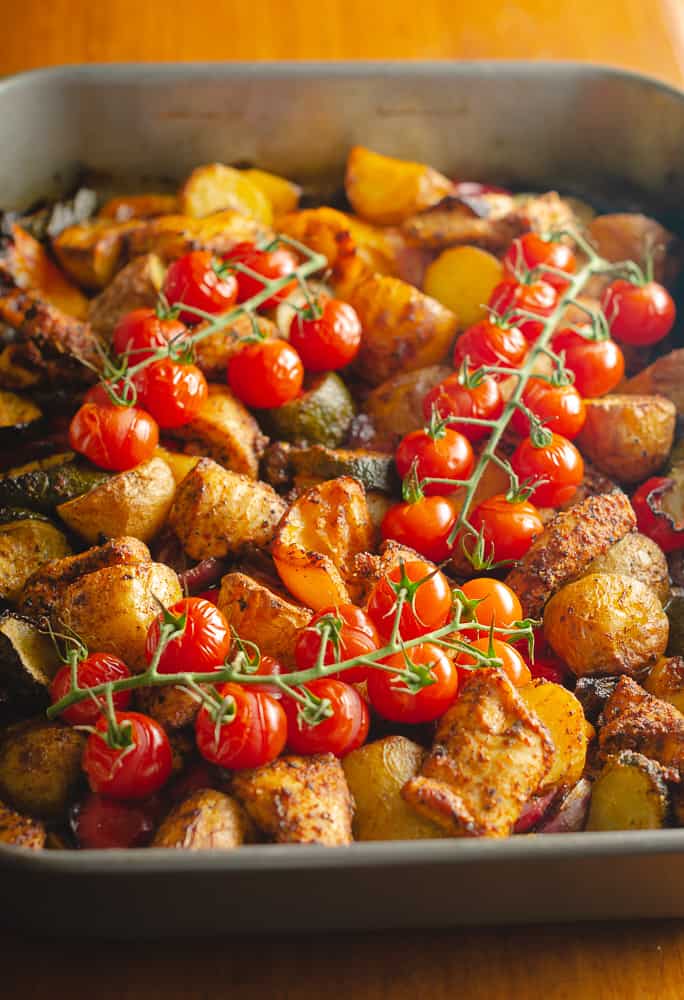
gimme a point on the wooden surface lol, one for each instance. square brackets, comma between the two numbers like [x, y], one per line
[618, 962]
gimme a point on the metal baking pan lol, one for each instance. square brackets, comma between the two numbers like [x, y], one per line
[614, 136]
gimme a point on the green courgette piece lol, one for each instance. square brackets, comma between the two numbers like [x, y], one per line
[320, 415]
[675, 614]
[10, 514]
[43, 489]
[20, 419]
[28, 661]
[375, 469]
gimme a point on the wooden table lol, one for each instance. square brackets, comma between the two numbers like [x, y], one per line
[617, 962]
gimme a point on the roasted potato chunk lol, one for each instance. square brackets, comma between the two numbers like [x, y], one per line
[282, 193]
[226, 431]
[318, 538]
[394, 408]
[171, 236]
[489, 757]
[217, 512]
[20, 831]
[298, 800]
[136, 286]
[205, 820]
[638, 556]
[24, 546]
[463, 279]
[666, 681]
[630, 236]
[26, 263]
[376, 773]
[179, 463]
[134, 503]
[628, 437]
[385, 190]
[91, 252]
[263, 616]
[561, 713]
[634, 720]
[138, 206]
[40, 767]
[664, 377]
[629, 794]
[567, 546]
[216, 187]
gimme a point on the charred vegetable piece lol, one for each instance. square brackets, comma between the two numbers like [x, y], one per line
[25, 545]
[569, 815]
[592, 694]
[629, 794]
[374, 469]
[20, 420]
[28, 661]
[44, 488]
[320, 415]
[675, 614]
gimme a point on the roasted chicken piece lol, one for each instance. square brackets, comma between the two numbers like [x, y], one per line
[633, 719]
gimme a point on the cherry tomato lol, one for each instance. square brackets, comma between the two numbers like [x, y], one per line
[141, 332]
[558, 462]
[428, 610]
[638, 314]
[343, 731]
[424, 525]
[266, 373]
[133, 772]
[97, 668]
[652, 518]
[172, 392]
[98, 822]
[390, 697]
[271, 264]
[451, 398]
[98, 394]
[447, 455]
[508, 527]
[357, 636]
[559, 407]
[491, 343]
[211, 595]
[598, 366]
[513, 664]
[202, 647]
[328, 341]
[200, 280]
[499, 605]
[255, 736]
[530, 251]
[270, 667]
[113, 437]
[509, 298]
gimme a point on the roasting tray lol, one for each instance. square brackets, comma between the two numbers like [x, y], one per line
[614, 136]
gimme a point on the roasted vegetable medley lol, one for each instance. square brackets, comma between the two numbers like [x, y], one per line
[322, 524]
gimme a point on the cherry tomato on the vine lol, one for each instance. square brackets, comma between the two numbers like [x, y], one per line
[451, 398]
[491, 343]
[446, 455]
[200, 280]
[560, 408]
[173, 392]
[499, 605]
[340, 733]
[508, 527]
[203, 645]
[142, 332]
[269, 264]
[424, 525]
[558, 462]
[97, 668]
[428, 609]
[530, 251]
[509, 298]
[327, 341]
[98, 822]
[254, 736]
[513, 664]
[131, 772]
[113, 437]
[391, 698]
[266, 373]
[598, 365]
[652, 518]
[357, 637]
[638, 313]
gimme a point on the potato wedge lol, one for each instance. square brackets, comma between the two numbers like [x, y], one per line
[638, 556]
[171, 236]
[136, 286]
[376, 774]
[205, 820]
[394, 408]
[263, 616]
[318, 538]
[606, 624]
[217, 512]
[561, 713]
[138, 206]
[24, 546]
[40, 767]
[635, 720]
[666, 681]
[629, 794]
[216, 187]
[91, 252]
[628, 437]
[179, 463]
[28, 265]
[665, 377]
[463, 279]
[384, 189]
[134, 503]
[20, 831]
[403, 329]
[283, 194]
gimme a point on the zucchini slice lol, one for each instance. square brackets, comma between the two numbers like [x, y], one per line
[24, 546]
[20, 419]
[375, 469]
[629, 794]
[42, 489]
[321, 415]
[28, 661]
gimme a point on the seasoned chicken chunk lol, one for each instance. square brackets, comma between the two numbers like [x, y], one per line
[636, 720]
[20, 831]
[261, 615]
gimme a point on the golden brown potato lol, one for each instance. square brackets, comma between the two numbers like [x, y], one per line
[263, 616]
[638, 556]
[217, 512]
[402, 329]
[394, 408]
[489, 757]
[134, 503]
[24, 547]
[179, 463]
[629, 794]
[282, 193]
[376, 774]
[136, 286]
[226, 431]
[635, 720]
[463, 279]
[40, 767]
[138, 206]
[170, 705]
[348, 244]
[112, 608]
[206, 819]
[385, 190]
[298, 800]
[215, 187]
[606, 624]
[628, 437]
[664, 377]
[567, 546]
[26, 263]
[214, 351]
[91, 252]
[171, 236]
[318, 538]
[561, 713]
[20, 831]
[666, 681]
